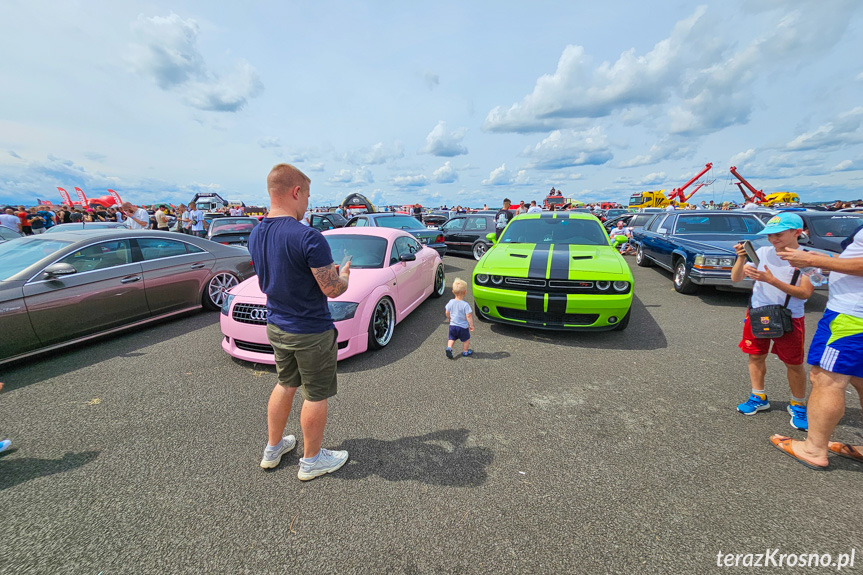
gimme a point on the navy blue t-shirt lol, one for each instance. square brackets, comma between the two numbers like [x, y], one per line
[284, 251]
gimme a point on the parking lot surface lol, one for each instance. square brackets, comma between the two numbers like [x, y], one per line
[544, 452]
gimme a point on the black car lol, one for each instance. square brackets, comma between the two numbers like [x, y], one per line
[465, 234]
[435, 218]
[432, 238]
[630, 220]
[232, 230]
[7, 234]
[824, 230]
[328, 221]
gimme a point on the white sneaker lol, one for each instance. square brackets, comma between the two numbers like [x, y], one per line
[327, 462]
[272, 457]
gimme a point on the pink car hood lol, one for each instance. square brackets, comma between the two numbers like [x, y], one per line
[362, 283]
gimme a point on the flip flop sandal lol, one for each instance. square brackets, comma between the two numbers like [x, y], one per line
[845, 450]
[783, 444]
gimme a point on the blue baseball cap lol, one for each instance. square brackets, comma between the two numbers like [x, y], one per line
[781, 222]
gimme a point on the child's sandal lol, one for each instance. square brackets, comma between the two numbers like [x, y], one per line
[467, 353]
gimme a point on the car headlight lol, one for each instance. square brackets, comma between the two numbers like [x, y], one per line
[226, 305]
[699, 261]
[603, 285]
[727, 262]
[482, 278]
[342, 310]
[497, 280]
[621, 286]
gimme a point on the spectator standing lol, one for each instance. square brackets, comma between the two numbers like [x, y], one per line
[196, 221]
[502, 218]
[460, 317]
[295, 270]
[118, 215]
[37, 222]
[161, 219]
[534, 209]
[25, 222]
[136, 218]
[773, 286]
[522, 209]
[76, 216]
[10, 220]
[835, 354]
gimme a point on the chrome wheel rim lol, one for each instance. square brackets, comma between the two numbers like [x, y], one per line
[384, 321]
[479, 251]
[639, 255]
[219, 286]
[679, 274]
[440, 281]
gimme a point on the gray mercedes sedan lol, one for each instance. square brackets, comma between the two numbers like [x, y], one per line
[66, 287]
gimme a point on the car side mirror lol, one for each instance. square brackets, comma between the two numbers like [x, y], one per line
[803, 238]
[407, 258]
[60, 269]
[492, 237]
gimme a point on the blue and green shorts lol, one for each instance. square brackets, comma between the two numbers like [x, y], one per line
[838, 344]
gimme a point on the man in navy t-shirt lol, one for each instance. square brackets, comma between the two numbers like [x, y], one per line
[296, 271]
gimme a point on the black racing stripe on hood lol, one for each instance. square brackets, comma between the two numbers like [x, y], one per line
[539, 261]
[559, 262]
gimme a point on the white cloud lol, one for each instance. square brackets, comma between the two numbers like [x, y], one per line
[376, 154]
[446, 174]
[362, 176]
[577, 89]
[415, 181]
[318, 167]
[567, 148]
[843, 130]
[741, 158]
[440, 142]
[848, 165]
[652, 179]
[665, 149]
[498, 177]
[166, 50]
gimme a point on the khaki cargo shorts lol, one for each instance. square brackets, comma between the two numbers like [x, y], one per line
[306, 360]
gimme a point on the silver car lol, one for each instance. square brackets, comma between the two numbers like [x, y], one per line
[62, 288]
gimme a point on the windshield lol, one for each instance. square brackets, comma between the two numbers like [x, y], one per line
[718, 224]
[232, 225]
[398, 223]
[836, 226]
[556, 200]
[555, 231]
[22, 253]
[365, 251]
[635, 200]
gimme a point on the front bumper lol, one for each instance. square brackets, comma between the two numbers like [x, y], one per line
[718, 278]
[583, 312]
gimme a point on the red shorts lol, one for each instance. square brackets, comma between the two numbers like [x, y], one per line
[789, 347]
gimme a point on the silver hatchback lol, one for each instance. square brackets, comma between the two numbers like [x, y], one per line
[62, 288]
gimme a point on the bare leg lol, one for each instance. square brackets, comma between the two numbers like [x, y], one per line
[313, 420]
[278, 410]
[826, 407]
[465, 345]
[797, 380]
[450, 342]
[757, 371]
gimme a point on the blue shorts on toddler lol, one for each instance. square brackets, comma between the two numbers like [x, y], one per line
[457, 333]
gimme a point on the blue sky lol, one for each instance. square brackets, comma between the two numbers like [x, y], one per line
[437, 103]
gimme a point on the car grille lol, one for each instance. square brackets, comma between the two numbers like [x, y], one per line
[267, 348]
[254, 347]
[251, 313]
[525, 282]
[537, 285]
[539, 317]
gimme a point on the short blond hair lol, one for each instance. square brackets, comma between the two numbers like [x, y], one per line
[285, 177]
[459, 286]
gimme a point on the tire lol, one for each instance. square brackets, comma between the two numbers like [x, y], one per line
[681, 280]
[641, 259]
[479, 250]
[217, 289]
[621, 325]
[479, 315]
[382, 323]
[439, 282]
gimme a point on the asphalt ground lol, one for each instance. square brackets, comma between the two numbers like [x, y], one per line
[545, 452]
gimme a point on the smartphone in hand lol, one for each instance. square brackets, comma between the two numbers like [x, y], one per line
[750, 252]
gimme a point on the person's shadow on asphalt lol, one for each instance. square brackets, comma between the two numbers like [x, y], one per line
[14, 470]
[437, 458]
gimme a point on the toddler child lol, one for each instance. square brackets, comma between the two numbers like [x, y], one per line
[460, 316]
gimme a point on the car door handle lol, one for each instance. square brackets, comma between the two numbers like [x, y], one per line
[197, 266]
[130, 279]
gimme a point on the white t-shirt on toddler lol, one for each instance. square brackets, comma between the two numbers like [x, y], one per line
[458, 310]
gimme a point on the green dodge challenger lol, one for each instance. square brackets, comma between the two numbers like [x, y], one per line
[554, 270]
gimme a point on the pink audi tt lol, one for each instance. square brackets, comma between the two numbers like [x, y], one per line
[391, 275]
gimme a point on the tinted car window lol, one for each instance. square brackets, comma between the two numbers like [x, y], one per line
[475, 224]
[555, 231]
[399, 222]
[717, 224]
[153, 249]
[453, 225]
[100, 256]
[230, 225]
[655, 222]
[639, 220]
[835, 226]
[24, 252]
[364, 251]
[663, 223]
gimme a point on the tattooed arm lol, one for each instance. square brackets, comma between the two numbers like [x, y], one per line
[331, 282]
